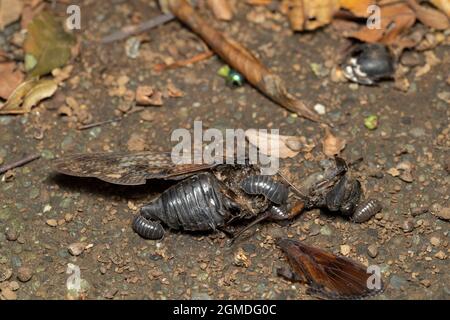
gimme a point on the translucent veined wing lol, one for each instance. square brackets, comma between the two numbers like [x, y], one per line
[327, 274]
[126, 168]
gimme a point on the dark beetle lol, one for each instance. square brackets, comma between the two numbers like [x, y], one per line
[208, 197]
[368, 63]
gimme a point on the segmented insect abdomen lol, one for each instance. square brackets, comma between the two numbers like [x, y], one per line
[366, 210]
[276, 192]
[194, 204]
[147, 229]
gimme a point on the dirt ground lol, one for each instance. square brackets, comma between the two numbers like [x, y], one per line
[42, 213]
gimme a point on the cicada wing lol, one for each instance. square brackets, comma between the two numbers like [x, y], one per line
[126, 168]
[327, 274]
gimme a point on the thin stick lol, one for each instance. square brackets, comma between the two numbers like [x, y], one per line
[133, 30]
[182, 63]
[97, 124]
[19, 163]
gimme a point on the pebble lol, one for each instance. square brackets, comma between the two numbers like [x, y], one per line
[326, 231]
[418, 211]
[76, 248]
[345, 249]
[5, 273]
[441, 255]
[52, 222]
[372, 250]
[14, 285]
[8, 294]
[408, 225]
[24, 274]
[417, 132]
[320, 109]
[443, 213]
[11, 235]
[435, 241]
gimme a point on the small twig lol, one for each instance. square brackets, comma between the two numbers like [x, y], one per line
[182, 63]
[19, 163]
[133, 30]
[97, 124]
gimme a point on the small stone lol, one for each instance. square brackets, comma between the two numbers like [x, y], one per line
[441, 255]
[443, 213]
[435, 241]
[320, 109]
[372, 250]
[68, 217]
[326, 231]
[345, 249]
[11, 235]
[8, 294]
[418, 211]
[76, 248]
[14, 285]
[24, 274]
[52, 222]
[426, 283]
[408, 226]
[5, 273]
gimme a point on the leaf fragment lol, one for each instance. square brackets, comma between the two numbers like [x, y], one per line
[332, 145]
[10, 11]
[27, 95]
[10, 78]
[47, 45]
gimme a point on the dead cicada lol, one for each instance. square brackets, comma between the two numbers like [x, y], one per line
[207, 196]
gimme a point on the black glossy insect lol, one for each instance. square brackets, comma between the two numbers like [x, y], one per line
[368, 63]
[366, 210]
[276, 192]
[208, 197]
[336, 191]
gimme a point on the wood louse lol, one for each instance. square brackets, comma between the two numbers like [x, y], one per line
[366, 210]
[146, 228]
[276, 192]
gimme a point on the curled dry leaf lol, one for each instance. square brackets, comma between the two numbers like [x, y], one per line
[397, 19]
[309, 14]
[10, 78]
[47, 45]
[10, 11]
[240, 59]
[146, 96]
[277, 145]
[443, 5]
[332, 145]
[222, 9]
[27, 95]
[357, 7]
[429, 16]
[173, 91]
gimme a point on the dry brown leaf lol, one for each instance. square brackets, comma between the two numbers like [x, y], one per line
[309, 14]
[10, 78]
[173, 91]
[429, 17]
[240, 59]
[443, 5]
[10, 11]
[277, 145]
[396, 19]
[27, 95]
[143, 94]
[259, 2]
[357, 7]
[331, 144]
[222, 9]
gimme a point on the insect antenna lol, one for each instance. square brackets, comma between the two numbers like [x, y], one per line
[296, 190]
[263, 217]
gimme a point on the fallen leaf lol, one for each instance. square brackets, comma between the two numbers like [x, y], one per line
[332, 145]
[429, 16]
[443, 5]
[10, 11]
[10, 78]
[396, 19]
[221, 8]
[47, 45]
[27, 95]
[173, 91]
[277, 145]
[310, 14]
[393, 172]
[357, 7]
